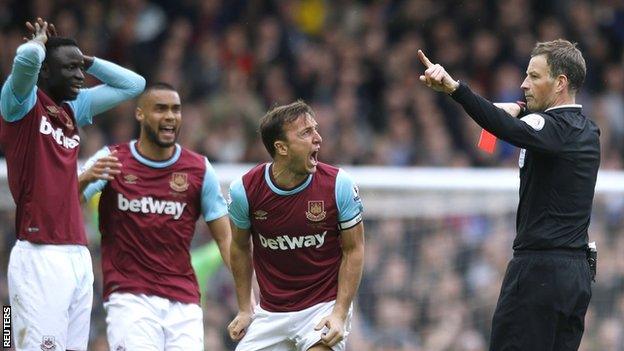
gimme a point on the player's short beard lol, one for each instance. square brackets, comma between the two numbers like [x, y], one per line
[152, 135]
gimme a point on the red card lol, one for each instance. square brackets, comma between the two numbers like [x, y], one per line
[487, 142]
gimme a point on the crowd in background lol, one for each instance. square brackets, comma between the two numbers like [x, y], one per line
[429, 284]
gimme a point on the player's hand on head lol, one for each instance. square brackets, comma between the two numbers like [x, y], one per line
[238, 327]
[39, 31]
[435, 76]
[88, 61]
[335, 329]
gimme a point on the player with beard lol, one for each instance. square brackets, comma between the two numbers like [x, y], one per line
[304, 219]
[42, 104]
[153, 191]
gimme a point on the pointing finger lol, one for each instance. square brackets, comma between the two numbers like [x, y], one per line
[425, 61]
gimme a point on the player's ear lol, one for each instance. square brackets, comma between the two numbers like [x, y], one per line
[138, 114]
[280, 148]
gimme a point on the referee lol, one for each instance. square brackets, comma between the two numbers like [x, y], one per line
[546, 290]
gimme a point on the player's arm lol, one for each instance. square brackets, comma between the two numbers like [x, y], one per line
[349, 276]
[215, 211]
[350, 272]
[534, 132]
[96, 172]
[352, 243]
[242, 271]
[19, 93]
[222, 234]
[240, 258]
[120, 84]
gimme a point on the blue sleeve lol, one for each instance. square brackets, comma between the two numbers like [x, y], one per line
[238, 206]
[120, 84]
[97, 186]
[348, 200]
[19, 92]
[212, 202]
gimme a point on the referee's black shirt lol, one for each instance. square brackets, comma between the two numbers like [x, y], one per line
[558, 166]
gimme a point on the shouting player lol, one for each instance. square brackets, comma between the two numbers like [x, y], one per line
[42, 105]
[305, 221]
[153, 191]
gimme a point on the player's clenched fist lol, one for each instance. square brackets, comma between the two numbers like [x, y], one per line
[238, 326]
[335, 329]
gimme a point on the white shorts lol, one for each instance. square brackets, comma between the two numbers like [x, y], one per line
[145, 322]
[51, 293]
[286, 331]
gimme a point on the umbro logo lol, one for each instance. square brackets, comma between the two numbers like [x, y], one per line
[260, 215]
[130, 179]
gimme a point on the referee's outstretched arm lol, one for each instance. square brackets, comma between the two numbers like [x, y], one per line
[538, 132]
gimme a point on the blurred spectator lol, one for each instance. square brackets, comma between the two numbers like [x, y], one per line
[429, 284]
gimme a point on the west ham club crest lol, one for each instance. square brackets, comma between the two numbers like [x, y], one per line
[316, 211]
[179, 182]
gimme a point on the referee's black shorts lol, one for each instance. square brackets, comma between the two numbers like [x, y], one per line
[542, 302]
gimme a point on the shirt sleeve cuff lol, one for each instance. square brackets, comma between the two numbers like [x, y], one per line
[95, 67]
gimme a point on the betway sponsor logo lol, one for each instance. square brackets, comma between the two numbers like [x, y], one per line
[285, 242]
[150, 205]
[46, 128]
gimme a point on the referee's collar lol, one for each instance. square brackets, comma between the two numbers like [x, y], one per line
[565, 106]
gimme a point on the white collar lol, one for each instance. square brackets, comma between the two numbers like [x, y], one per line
[564, 106]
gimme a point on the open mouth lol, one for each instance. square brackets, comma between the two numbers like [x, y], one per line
[314, 158]
[75, 88]
[167, 131]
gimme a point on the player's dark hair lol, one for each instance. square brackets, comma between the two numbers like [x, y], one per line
[272, 124]
[159, 86]
[54, 43]
[155, 86]
[563, 57]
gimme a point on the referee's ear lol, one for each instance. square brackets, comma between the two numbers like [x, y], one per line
[562, 84]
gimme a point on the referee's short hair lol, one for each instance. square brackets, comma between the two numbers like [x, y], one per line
[563, 57]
